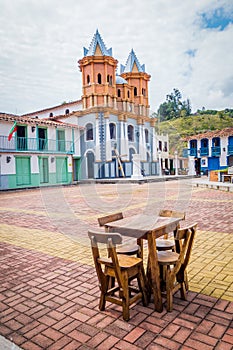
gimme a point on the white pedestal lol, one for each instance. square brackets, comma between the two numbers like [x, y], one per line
[136, 168]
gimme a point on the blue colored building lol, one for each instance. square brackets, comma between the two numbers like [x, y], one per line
[212, 150]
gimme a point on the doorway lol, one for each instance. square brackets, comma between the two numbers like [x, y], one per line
[90, 165]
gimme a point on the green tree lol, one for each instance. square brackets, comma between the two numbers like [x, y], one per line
[174, 107]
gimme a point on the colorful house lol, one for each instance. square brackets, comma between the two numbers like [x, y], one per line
[94, 137]
[40, 152]
[209, 151]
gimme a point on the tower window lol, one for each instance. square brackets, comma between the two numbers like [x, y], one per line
[112, 128]
[99, 78]
[146, 136]
[135, 91]
[128, 94]
[143, 92]
[130, 133]
[88, 79]
[89, 132]
[109, 79]
[119, 93]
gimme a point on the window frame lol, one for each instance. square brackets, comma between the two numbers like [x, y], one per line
[130, 132]
[89, 131]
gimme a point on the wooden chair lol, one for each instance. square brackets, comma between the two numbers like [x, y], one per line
[174, 265]
[127, 249]
[122, 268]
[165, 243]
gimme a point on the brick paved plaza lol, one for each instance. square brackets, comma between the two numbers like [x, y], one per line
[49, 292]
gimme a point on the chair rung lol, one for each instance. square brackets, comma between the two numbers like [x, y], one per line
[135, 298]
[112, 290]
[114, 299]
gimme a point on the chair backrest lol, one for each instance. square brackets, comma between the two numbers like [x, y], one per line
[185, 237]
[172, 214]
[110, 239]
[103, 237]
[109, 218]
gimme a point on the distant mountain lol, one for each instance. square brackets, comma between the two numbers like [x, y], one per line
[179, 128]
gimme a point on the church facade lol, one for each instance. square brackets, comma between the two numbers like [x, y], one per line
[107, 126]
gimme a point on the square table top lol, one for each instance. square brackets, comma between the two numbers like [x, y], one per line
[138, 226]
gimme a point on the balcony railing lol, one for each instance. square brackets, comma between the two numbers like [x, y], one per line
[185, 152]
[216, 151]
[230, 150]
[193, 152]
[35, 145]
[204, 151]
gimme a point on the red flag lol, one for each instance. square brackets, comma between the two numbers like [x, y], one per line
[12, 130]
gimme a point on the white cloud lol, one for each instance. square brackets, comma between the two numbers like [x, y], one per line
[41, 42]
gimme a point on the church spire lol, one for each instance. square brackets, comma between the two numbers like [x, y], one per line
[97, 46]
[132, 64]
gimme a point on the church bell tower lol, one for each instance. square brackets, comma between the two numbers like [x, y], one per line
[98, 69]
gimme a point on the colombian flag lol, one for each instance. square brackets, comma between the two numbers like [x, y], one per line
[12, 130]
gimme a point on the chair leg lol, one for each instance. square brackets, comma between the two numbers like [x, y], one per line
[142, 285]
[104, 288]
[125, 296]
[148, 275]
[102, 302]
[169, 290]
[186, 282]
[183, 291]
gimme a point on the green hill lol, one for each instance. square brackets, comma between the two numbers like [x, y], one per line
[178, 128]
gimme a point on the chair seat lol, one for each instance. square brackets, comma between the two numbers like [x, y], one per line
[165, 244]
[128, 249]
[167, 258]
[126, 261]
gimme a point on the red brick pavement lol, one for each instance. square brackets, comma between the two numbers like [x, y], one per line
[51, 303]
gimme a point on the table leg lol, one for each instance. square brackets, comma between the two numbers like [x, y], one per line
[153, 273]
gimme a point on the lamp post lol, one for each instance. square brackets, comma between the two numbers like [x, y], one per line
[176, 161]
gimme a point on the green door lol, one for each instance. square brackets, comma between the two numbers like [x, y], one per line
[61, 169]
[44, 170]
[23, 171]
[76, 168]
[61, 140]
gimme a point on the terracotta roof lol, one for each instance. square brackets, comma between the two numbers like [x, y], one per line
[65, 105]
[36, 121]
[211, 134]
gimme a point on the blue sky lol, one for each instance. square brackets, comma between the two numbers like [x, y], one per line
[217, 19]
[184, 44]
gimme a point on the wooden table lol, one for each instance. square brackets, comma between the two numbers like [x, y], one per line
[149, 228]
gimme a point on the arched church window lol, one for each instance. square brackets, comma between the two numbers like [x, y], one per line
[99, 78]
[110, 80]
[135, 91]
[88, 79]
[119, 93]
[89, 132]
[112, 128]
[130, 133]
[146, 136]
[128, 94]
